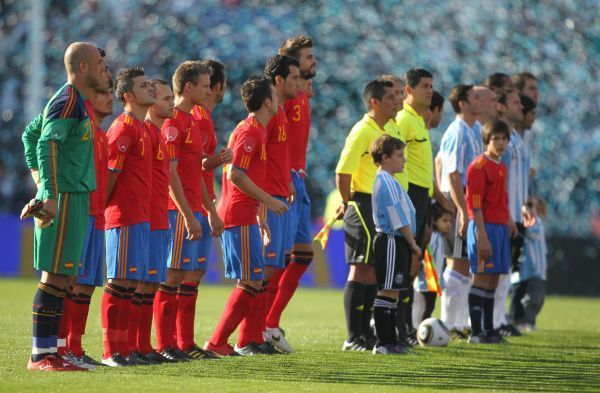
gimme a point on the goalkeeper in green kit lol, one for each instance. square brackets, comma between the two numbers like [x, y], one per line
[66, 176]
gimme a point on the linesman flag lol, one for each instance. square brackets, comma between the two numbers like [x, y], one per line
[431, 277]
[323, 234]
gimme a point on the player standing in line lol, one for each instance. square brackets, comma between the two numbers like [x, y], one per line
[284, 72]
[245, 225]
[395, 222]
[127, 213]
[498, 80]
[64, 155]
[460, 145]
[355, 175]
[527, 84]
[487, 238]
[155, 273]
[516, 159]
[299, 237]
[419, 165]
[187, 293]
[189, 229]
[91, 270]
[398, 88]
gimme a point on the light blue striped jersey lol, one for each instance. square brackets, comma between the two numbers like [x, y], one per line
[436, 244]
[459, 147]
[392, 208]
[533, 261]
[516, 159]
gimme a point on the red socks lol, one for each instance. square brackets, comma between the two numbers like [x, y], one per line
[287, 286]
[165, 311]
[135, 308]
[112, 299]
[187, 295]
[250, 324]
[80, 307]
[270, 291]
[144, 332]
[235, 310]
[63, 327]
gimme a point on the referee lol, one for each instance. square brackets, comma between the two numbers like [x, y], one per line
[355, 176]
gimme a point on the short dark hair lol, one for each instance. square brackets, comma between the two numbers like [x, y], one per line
[437, 101]
[385, 146]
[218, 72]
[158, 81]
[437, 211]
[527, 103]
[188, 71]
[292, 46]
[459, 93]
[502, 94]
[279, 65]
[255, 91]
[492, 127]
[375, 89]
[521, 78]
[414, 76]
[124, 81]
[497, 80]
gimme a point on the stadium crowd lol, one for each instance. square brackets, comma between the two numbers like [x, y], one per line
[557, 41]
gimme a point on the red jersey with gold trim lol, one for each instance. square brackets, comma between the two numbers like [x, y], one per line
[159, 199]
[98, 196]
[209, 144]
[130, 156]
[486, 190]
[298, 115]
[278, 159]
[184, 144]
[249, 155]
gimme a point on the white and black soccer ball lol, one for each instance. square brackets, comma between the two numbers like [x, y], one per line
[433, 332]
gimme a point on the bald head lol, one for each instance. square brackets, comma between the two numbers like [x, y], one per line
[85, 67]
[488, 103]
[77, 53]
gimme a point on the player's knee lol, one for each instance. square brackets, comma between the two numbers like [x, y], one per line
[250, 286]
[303, 257]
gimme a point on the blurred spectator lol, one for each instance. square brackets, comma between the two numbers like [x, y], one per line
[558, 42]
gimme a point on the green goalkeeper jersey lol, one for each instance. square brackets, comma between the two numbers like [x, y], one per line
[67, 165]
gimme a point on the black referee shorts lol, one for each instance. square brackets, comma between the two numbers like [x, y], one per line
[419, 196]
[359, 228]
[392, 261]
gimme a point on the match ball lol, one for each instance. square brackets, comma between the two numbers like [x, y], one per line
[433, 332]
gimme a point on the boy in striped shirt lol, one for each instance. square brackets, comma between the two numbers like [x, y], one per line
[395, 222]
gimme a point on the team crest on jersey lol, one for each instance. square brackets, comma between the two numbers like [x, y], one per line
[249, 144]
[399, 278]
[123, 143]
[171, 133]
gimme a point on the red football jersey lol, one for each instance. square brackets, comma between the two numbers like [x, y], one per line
[159, 200]
[278, 159]
[129, 155]
[250, 155]
[98, 196]
[184, 143]
[298, 115]
[486, 190]
[209, 144]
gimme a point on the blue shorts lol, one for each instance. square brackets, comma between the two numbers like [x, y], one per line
[299, 229]
[242, 253]
[185, 254]
[127, 251]
[497, 234]
[91, 267]
[278, 226]
[157, 258]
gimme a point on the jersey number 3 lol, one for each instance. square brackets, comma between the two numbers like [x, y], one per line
[296, 116]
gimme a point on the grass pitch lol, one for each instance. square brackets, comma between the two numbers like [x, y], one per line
[564, 356]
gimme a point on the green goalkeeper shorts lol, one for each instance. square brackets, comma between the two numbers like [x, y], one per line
[57, 248]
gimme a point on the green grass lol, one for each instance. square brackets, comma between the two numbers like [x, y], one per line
[564, 356]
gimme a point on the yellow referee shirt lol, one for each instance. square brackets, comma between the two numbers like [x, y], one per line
[419, 158]
[356, 159]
